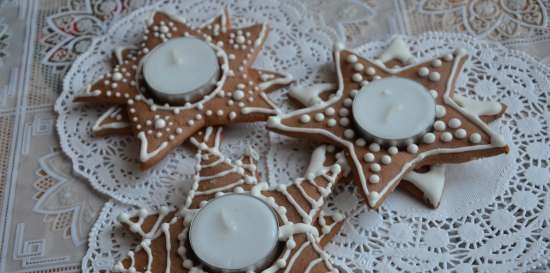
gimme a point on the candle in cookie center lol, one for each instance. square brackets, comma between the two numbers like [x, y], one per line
[393, 110]
[234, 232]
[181, 70]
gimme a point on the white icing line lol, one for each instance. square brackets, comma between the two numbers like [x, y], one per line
[98, 126]
[285, 79]
[478, 108]
[309, 96]
[430, 183]
[397, 49]
[118, 52]
[143, 154]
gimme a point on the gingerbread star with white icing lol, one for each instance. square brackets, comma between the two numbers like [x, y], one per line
[304, 226]
[238, 94]
[455, 134]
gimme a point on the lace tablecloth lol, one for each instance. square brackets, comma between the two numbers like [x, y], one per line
[47, 211]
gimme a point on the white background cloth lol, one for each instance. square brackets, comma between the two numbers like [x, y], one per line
[49, 209]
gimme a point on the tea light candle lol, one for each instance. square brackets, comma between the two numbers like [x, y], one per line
[234, 232]
[181, 70]
[393, 110]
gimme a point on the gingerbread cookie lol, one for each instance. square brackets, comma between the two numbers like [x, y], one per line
[180, 79]
[426, 182]
[227, 213]
[391, 121]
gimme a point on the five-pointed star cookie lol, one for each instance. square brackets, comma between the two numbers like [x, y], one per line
[304, 227]
[456, 135]
[239, 94]
[426, 182]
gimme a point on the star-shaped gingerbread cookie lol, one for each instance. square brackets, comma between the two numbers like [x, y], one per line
[303, 226]
[391, 121]
[147, 94]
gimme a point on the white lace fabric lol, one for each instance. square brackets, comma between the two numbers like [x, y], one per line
[495, 213]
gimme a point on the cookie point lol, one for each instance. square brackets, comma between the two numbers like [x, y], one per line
[273, 121]
[498, 141]
[339, 46]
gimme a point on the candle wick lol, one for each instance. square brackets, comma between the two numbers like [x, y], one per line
[392, 109]
[178, 60]
[227, 222]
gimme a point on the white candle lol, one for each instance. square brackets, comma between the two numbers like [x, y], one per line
[393, 110]
[234, 232]
[181, 70]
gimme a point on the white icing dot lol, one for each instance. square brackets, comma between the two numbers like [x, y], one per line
[117, 76]
[423, 71]
[461, 133]
[349, 133]
[439, 125]
[232, 115]
[319, 117]
[368, 157]
[357, 77]
[343, 112]
[412, 148]
[351, 58]
[440, 111]
[435, 76]
[448, 57]
[160, 123]
[344, 122]
[360, 142]
[353, 93]
[375, 167]
[434, 93]
[374, 147]
[446, 137]
[179, 130]
[347, 102]
[371, 71]
[374, 179]
[436, 63]
[305, 118]
[330, 111]
[386, 159]
[238, 94]
[454, 123]
[219, 113]
[393, 150]
[428, 138]
[358, 67]
[240, 39]
[475, 138]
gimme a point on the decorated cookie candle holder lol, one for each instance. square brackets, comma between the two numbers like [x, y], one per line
[180, 79]
[302, 228]
[391, 120]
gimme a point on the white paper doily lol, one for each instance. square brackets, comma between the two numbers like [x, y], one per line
[495, 213]
[296, 44]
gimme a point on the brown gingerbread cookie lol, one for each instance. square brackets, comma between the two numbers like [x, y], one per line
[180, 79]
[391, 121]
[302, 226]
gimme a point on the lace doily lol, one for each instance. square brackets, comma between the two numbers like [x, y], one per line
[494, 216]
[295, 45]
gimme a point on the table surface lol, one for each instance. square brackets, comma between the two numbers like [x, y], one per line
[45, 215]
